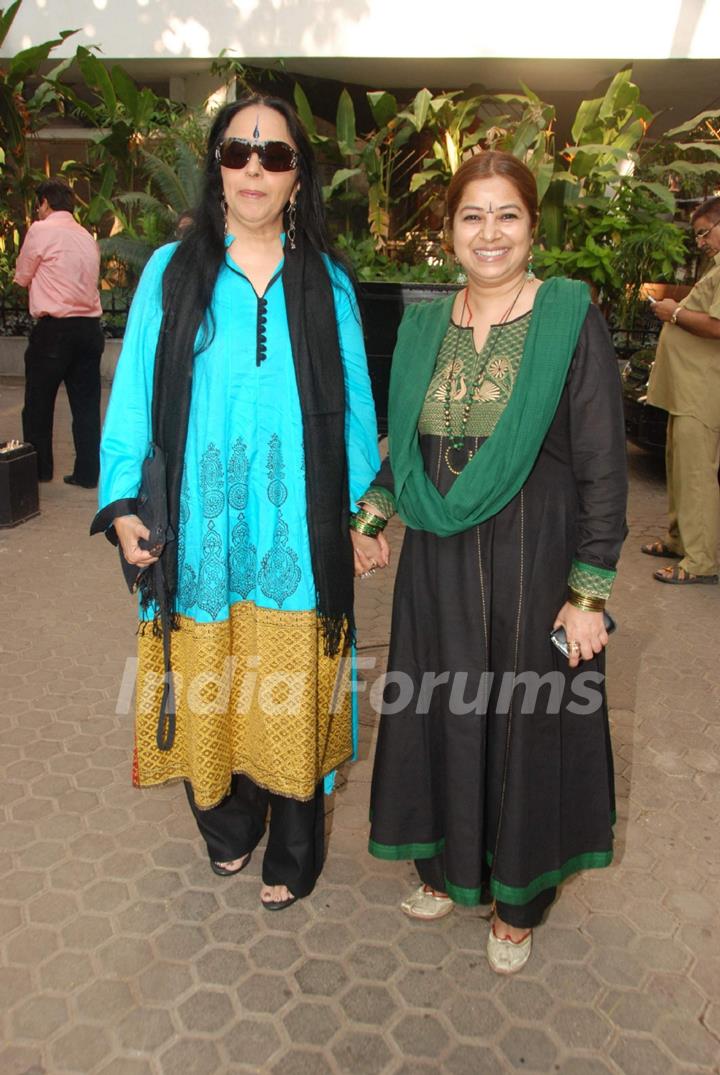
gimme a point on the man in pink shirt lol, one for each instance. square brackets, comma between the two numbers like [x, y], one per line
[59, 262]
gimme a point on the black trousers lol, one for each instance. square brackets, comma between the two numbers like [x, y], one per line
[296, 840]
[522, 916]
[64, 349]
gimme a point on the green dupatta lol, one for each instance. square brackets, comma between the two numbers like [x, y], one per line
[500, 467]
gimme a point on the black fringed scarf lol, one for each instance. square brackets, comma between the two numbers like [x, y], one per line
[319, 372]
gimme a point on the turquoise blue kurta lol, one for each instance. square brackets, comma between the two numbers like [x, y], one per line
[243, 533]
[246, 592]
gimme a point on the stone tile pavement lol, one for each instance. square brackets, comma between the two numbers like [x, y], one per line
[121, 954]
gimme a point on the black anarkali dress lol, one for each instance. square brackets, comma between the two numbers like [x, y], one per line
[514, 791]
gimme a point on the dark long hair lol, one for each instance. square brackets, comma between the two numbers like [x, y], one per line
[192, 271]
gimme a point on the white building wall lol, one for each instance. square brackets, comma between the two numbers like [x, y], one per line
[174, 29]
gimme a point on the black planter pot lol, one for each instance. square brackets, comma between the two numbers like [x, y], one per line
[382, 306]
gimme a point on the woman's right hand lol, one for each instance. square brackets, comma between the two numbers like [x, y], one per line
[369, 552]
[130, 529]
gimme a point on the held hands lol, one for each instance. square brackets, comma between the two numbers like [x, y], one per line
[130, 530]
[585, 629]
[370, 552]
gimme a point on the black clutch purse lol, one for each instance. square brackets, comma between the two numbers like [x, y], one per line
[152, 510]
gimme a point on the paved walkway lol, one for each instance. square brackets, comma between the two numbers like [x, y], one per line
[123, 955]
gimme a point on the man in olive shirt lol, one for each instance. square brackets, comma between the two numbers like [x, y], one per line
[685, 381]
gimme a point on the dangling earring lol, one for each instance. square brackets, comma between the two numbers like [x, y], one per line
[291, 224]
[529, 273]
[224, 207]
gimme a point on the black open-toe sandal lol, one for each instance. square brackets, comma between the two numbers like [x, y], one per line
[278, 905]
[222, 872]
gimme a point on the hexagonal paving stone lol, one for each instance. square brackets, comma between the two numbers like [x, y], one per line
[640, 1056]
[145, 1029]
[527, 1048]
[141, 917]
[52, 908]
[65, 972]
[191, 1055]
[426, 946]
[125, 1065]
[473, 971]
[687, 1040]
[301, 1061]
[31, 946]
[163, 983]
[366, 1003]
[376, 962]
[125, 956]
[311, 1023]
[251, 1041]
[81, 1048]
[264, 992]
[39, 1017]
[105, 896]
[321, 977]
[221, 966]
[104, 1001]
[360, 1052]
[568, 981]
[180, 941]
[206, 1010]
[327, 939]
[158, 884]
[421, 1035]
[194, 906]
[472, 1060]
[276, 952]
[235, 929]
[526, 1000]
[581, 1027]
[472, 1015]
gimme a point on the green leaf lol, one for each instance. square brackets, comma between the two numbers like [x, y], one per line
[419, 179]
[616, 95]
[543, 177]
[97, 79]
[701, 147]
[340, 177]
[304, 111]
[585, 117]
[7, 18]
[383, 106]
[661, 192]
[125, 89]
[345, 124]
[691, 124]
[421, 108]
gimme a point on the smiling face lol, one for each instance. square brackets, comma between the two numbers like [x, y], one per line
[492, 232]
[255, 197]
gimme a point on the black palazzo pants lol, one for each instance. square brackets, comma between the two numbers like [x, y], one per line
[512, 787]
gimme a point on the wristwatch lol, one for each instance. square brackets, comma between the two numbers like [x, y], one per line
[676, 311]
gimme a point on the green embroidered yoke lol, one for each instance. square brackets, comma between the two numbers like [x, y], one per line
[490, 375]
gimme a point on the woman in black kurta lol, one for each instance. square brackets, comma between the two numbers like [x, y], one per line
[494, 792]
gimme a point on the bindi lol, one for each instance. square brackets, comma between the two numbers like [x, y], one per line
[256, 132]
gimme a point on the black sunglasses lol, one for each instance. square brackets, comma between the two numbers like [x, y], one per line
[273, 156]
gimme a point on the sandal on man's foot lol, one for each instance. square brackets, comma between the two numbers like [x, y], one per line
[424, 902]
[506, 956]
[678, 576]
[659, 548]
[220, 868]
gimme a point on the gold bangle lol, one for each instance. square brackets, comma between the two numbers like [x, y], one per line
[585, 602]
[674, 315]
[372, 520]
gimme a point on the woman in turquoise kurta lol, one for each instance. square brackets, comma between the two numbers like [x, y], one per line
[261, 659]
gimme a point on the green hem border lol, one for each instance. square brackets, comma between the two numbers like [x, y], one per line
[395, 852]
